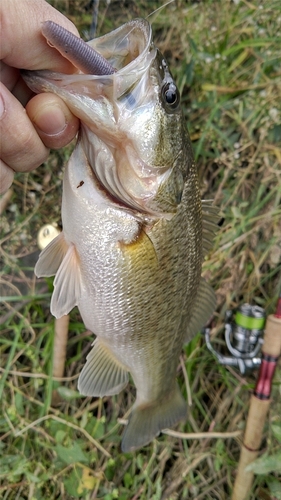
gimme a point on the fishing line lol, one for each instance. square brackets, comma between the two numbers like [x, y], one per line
[159, 8]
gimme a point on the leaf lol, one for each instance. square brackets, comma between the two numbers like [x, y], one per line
[239, 60]
[60, 435]
[236, 212]
[19, 404]
[32, 477]
[189, 72]
[266, 464]
[72, 483]
[68, 394]
[82, 480]
[274, 488]
[72, 454]
[88, 481]
[192, 44]
[128, 480]
[276, 429]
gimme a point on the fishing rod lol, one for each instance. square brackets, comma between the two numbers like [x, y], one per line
[247, 351]
[259, 404]
[45, 235]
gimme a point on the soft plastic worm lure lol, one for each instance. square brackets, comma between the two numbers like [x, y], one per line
[82, 55]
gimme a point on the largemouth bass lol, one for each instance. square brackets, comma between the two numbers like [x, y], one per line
[134, 229]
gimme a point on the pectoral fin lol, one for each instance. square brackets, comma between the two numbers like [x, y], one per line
[67, 284]
[60, 258]
[51, 257]
[102, 374]
[203, 308]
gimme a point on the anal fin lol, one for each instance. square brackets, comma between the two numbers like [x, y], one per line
[203, 307]
[102, 374]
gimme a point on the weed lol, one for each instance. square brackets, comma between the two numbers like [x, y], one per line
[225, 57]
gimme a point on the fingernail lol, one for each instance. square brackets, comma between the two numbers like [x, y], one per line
[51, 121]
[2, 107]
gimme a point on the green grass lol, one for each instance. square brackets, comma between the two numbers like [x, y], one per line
[226, 59]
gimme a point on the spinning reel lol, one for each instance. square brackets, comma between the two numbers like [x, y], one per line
[243, 337]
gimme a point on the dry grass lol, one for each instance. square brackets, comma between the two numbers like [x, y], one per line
[226, 59]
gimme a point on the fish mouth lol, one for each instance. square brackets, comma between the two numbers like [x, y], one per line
[128, 49]
[103, 103]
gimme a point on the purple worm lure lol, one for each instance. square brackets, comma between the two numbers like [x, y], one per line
[78, 52]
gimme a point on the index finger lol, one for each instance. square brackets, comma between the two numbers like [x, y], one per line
[22, 44]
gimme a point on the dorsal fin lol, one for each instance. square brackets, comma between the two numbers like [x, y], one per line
[210, 219]
[202, 309]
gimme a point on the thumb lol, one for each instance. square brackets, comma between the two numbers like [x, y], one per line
[52, 119]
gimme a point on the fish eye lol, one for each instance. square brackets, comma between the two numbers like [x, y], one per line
[170, 95]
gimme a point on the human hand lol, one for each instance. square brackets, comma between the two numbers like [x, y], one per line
[29, 125]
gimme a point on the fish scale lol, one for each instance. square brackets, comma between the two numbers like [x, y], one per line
[132, 246]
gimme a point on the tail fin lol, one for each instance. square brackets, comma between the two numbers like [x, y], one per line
[147, 421]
